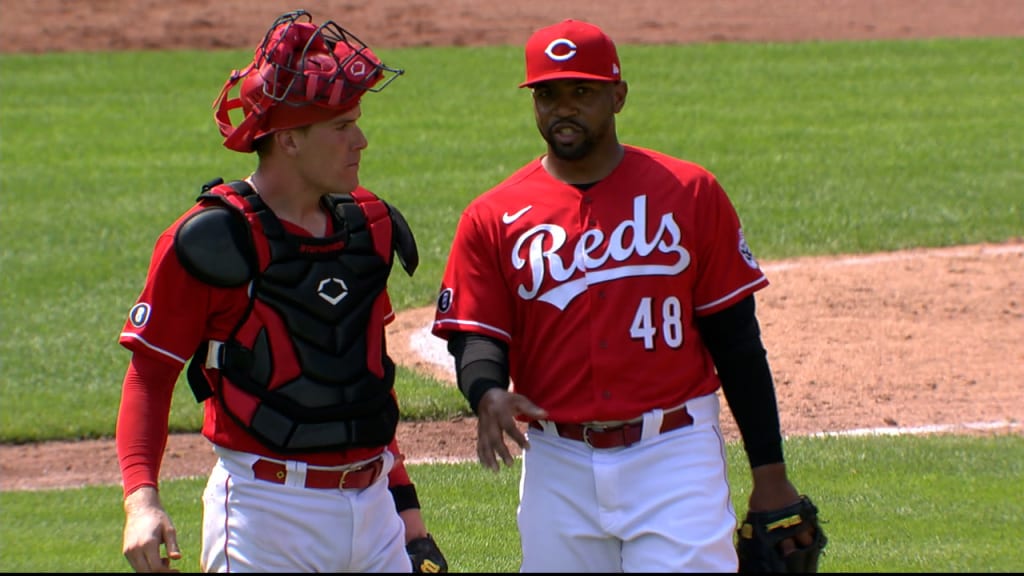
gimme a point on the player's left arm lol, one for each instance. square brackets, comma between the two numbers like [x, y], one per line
[423, 551]
[733, 337]
[403, 492]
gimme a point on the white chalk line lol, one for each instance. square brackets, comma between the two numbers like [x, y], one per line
[916, 430]
[439, 460]
[433, 350]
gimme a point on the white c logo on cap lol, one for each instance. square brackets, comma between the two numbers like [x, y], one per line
[550, 50]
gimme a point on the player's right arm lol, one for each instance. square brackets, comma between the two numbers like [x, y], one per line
[163, 329]
[141, 438]
[146, 527]
[481, 371]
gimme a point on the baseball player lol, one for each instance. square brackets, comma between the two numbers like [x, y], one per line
[275, 286]
[601, 295]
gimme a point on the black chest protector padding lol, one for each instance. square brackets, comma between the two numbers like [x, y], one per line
[214, 246]
[297, 371]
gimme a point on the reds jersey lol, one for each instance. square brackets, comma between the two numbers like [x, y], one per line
[596, 291]
[176, 311]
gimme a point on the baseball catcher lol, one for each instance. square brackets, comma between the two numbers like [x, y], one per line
[760, 537]
[426, 556]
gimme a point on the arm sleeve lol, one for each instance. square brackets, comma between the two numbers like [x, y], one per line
[733, 337]
[141, 434]
[403, 491]
[481, 363]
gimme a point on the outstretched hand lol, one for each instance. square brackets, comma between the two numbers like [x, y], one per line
[496, 418]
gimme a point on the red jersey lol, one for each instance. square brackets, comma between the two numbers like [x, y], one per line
[176, 311]
[596, 291]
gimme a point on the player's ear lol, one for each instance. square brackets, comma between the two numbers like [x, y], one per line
[620, 91]
[286, 141]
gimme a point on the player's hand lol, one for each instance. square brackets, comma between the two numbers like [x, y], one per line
[146, 527]
[772, 490]
[496, 417]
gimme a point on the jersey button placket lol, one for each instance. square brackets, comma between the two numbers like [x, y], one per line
[599, 345]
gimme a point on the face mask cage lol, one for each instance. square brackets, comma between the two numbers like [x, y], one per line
[297, 64]
[300, 63]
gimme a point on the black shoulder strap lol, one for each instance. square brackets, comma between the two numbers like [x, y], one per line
[194, 374]
[404, 241]
[197, 382]
[210, 186]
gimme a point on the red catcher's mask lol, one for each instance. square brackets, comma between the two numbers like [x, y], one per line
[301, 74]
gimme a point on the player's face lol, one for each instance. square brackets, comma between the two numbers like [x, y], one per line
[577, 116]
[330, 153]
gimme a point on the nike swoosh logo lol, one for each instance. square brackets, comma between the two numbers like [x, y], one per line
[510, 218]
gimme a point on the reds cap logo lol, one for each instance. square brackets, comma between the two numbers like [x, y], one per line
[567, 46]
[571, 49]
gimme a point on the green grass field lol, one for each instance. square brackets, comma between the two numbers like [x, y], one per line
[825, 148]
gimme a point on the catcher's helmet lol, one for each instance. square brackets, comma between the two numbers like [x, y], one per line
[300, 74]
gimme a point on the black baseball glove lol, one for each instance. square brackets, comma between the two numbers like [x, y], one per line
[758, 538]
[426, 556]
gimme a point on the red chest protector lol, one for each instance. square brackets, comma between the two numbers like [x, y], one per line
[305, 368]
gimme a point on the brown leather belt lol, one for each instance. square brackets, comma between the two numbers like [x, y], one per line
[354, 478]
[617, 436]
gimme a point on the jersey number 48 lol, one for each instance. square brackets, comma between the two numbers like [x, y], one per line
[645, 324]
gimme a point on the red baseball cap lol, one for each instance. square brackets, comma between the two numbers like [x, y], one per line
[571, 49]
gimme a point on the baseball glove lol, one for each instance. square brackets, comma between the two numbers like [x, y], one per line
[758, 538]
[426, 556]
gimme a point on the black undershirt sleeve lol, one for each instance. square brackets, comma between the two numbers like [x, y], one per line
[481, 363]
[733, 337]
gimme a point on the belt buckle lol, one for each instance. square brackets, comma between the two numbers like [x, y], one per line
[587, 429]
[341, 482]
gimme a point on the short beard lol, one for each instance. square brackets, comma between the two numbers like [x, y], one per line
[570, 153]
